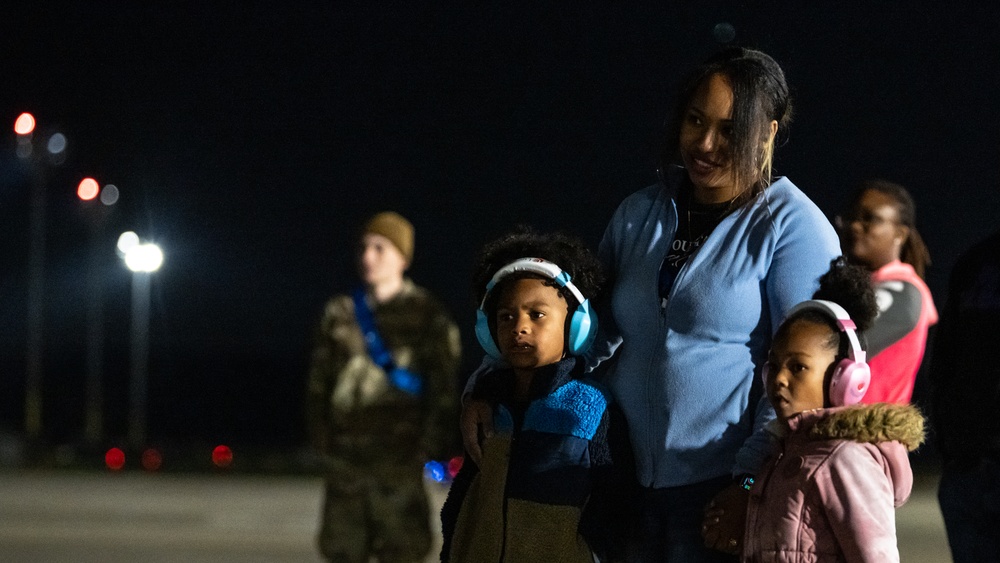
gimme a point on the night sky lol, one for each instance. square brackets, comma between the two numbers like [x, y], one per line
[250, 139]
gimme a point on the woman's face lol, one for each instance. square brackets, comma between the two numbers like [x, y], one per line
[706, 129]
[797, 368]
[870, 232]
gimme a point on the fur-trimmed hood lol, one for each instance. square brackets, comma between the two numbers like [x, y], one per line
[892, 429]
[871, 424]
[830, 489]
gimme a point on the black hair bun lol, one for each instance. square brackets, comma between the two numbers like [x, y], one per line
[850, 287]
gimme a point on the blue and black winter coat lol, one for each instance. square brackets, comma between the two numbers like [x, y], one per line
[556, 477]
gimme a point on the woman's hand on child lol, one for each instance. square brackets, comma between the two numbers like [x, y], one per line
[476, 424]
[725, 520]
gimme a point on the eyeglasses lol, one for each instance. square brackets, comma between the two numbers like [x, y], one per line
[866, 218]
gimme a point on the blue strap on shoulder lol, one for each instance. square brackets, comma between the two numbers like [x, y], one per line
[401, 378]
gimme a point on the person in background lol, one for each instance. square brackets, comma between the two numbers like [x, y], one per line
[830, 490]
[879, 232]
[965, 400]
[545, 488]
[381, 401]
[703, 266]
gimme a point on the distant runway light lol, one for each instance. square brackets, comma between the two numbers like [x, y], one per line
[109, 195]
[435, 471]
[724, 32]
[88, 189]
[151, 459]
[455, 465]
[114, 459]
[146, 257]
[57, 143]
[126, 241]
[222, 456]
[24, 124]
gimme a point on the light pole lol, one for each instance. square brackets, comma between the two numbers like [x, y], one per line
[25, 127]
[88, 191]
[142, 259]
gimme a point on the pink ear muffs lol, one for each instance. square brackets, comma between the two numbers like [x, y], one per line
[852, 375]
[850, 382]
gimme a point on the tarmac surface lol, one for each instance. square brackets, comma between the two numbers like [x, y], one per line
[57, 516]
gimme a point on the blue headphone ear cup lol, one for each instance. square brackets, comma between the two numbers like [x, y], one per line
[582, 329]
[484, 335]
[849, 383]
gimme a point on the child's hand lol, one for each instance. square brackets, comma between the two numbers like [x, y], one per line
[477, 416]
[725, 520]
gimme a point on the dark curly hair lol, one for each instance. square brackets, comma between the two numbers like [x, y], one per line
[568, 252]
[850, 287]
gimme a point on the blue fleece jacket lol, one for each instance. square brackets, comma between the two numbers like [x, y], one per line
[548, 487]
[687, 374]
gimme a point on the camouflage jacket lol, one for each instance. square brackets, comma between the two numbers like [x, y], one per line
[354, 413]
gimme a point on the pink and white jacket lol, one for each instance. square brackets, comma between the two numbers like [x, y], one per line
[830, 490]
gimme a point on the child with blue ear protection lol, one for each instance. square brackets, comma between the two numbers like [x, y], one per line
[841, 468]
[551, 484]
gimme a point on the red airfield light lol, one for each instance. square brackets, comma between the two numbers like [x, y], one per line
[455, 465]
[222, 456]
[152, 459]
[114, 459]
[88, 189]
[24, 124]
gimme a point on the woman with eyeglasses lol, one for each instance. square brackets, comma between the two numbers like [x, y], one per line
[879, 232]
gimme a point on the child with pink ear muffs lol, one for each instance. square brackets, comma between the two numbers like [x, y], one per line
[840, 468]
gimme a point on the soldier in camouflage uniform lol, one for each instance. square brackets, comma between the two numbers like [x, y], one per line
[379, 417]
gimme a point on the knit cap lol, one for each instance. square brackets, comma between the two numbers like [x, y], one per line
[394, 227]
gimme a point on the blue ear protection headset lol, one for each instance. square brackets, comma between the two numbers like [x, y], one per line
[582, 327]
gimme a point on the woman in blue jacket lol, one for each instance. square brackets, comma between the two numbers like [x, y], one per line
[704, 265]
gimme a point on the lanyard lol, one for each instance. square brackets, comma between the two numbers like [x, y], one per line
[402, 378]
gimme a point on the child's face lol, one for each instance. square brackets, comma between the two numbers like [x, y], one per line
[531, 318]
[798, 366]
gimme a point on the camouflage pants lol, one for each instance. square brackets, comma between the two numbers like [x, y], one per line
[382, 514]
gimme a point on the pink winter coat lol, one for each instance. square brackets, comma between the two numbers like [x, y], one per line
[830, 491]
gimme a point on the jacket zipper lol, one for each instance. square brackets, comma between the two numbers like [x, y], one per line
[654, 358]
[506, 486]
